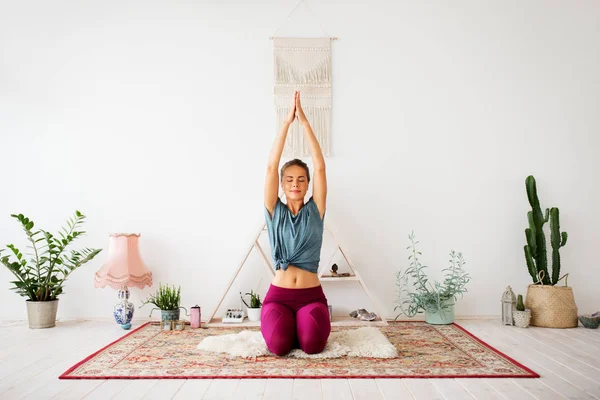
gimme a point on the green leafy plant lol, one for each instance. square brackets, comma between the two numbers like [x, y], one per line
[535, 249]
[165, 298]
[416, 294]
[254, 299]
[520, 305]
[42, 276]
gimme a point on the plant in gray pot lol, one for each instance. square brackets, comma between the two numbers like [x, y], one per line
[41, 272]
[167, 300]
[416, 294]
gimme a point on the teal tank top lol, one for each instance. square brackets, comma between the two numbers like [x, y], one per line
[295, 239]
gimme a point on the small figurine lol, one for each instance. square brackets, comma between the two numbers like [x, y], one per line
[334, 269]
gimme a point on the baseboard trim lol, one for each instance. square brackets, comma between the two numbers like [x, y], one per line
[143, 320]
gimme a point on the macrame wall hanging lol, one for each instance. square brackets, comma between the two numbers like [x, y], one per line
[303, 64]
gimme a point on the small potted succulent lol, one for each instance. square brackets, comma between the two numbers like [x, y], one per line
[167, 300]
[521, 315]
[255, 307]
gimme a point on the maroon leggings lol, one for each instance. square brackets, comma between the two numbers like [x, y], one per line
[293, 318]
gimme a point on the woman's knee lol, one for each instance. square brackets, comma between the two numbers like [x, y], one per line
[278, 328]
[313, 327]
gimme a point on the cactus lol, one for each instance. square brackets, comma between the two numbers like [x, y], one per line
[520, 305]
[558, 239]
[535, 249]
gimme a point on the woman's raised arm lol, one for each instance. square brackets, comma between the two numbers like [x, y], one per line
[319, 174]
[272, 175]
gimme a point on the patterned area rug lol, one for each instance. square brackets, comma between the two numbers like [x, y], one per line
[425, 351]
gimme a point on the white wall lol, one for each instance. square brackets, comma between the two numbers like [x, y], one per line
[156, 117]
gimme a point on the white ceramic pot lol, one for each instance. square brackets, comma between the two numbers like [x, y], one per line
[522, 318]
[254, 314]
[41, 314]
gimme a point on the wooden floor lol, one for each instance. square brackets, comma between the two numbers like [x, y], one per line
[31, 360]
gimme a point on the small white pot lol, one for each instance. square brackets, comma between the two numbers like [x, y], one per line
[254, 314]
[522, 318]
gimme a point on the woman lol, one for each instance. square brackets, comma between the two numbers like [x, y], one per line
[295, 312]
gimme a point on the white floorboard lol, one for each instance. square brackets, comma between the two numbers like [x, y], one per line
[451, 389]
[365, 389]
[192, 389]
[480, 389]
[276, 389]
[394, 389]
[164, 389]
[31, 360]
[423, 389]
[562, 380]
[336, 389]
[250, 389]
[307, 389]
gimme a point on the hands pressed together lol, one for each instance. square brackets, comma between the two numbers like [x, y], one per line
[296, 110]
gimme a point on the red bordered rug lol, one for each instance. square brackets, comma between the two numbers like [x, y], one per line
[425, 351]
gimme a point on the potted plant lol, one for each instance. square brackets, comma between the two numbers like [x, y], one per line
[544, 295]
[255, 306]
[167, 300]
[436, 300]
[522, 316]
[41, 273]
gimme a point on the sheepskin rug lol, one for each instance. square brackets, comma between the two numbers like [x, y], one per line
[361, 342]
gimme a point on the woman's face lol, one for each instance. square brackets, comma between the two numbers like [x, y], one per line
[294, 182]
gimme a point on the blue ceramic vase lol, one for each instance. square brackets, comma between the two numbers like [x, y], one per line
[123, 311]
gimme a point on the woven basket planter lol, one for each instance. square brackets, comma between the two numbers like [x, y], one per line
[551, 306]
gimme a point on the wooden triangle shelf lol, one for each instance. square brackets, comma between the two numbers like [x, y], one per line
[354, 276]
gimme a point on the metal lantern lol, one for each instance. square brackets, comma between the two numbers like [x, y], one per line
[509, 304]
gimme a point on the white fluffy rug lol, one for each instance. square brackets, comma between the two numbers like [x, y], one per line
[362, 342]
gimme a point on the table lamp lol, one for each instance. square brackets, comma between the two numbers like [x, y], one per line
[123, 268]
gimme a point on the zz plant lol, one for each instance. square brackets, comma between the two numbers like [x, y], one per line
[41, 273]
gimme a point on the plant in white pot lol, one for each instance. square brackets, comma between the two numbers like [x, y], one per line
[521, 316]
[416, 294]
[255, 307]
[41, 278]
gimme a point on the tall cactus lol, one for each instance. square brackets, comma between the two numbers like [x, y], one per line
[535, 249]
[558, 239]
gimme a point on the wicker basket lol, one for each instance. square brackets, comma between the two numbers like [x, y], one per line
[551, 306]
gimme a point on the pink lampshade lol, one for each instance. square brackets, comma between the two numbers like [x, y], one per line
[124, 266]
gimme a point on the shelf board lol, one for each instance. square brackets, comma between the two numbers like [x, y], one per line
[338, 278]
